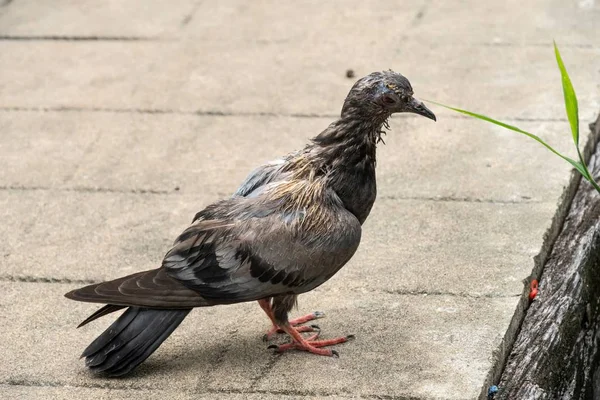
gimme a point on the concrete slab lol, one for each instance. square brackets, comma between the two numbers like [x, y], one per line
[209, 155]
[267, 21]
[447, 247]
[471, 160]
[213, 77]
[220, 349]
[500, 24]
[111, 18]
[376, 23]
[44, 150]
[406, 346]
[21, 392]
[44, 346]
[99, 128]
[408, 245]
[366, 23]
[76, 236]
[19, 212]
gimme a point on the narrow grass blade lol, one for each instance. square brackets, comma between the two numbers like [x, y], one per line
[570, 97]
[572, 109]
[577, 165]
[573, 113]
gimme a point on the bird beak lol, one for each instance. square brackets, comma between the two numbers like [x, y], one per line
[417, 107]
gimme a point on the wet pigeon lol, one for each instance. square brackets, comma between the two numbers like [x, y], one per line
[291, 225]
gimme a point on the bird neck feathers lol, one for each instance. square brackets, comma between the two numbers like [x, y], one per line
[349, 143]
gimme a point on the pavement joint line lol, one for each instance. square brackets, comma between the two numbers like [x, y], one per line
[453, 199]
[88, 150]
[400, 292]
[190, 15]
[105, 385]
[290, 392]
[80, 38]
[265, 371]
[548, 45]
[220, 113]
[208, 113]
[35, 213]
[35, 279]
[86, 189]
[124, 38]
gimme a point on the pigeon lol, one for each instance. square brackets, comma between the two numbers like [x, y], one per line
[290, 226]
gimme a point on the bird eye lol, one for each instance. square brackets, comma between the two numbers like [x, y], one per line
[389, 100]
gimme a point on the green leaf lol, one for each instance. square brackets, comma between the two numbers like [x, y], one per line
[570, 97]
[577, 165]
[572, 112]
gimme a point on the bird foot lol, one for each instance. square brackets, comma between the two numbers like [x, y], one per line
[313, 346]
[295, 323]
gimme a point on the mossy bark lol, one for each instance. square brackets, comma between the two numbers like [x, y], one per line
[557, 350]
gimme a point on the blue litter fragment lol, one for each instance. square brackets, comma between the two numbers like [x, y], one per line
[492, 391]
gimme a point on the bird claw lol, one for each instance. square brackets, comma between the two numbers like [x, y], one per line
[301, 329]
[308, 317]
[313, 346]
[295, 323]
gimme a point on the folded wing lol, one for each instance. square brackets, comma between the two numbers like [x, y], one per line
[246, 249]
[241, 249]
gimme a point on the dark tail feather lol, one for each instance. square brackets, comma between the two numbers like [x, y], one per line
[107, 309]
[131, 339]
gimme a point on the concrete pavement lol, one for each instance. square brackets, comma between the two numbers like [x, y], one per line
[119, 121]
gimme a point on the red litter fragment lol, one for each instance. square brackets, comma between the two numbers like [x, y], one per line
[533, 289]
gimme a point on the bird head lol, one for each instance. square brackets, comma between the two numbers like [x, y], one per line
[381, 94]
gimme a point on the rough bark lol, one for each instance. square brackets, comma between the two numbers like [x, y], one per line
[557, 352]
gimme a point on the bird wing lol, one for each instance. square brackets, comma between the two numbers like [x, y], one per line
[245, 249]
[241, 249]
[153, 288]
[260, 177]
[275, 236]
[265, 174]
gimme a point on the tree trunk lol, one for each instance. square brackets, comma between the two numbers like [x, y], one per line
[556, 353]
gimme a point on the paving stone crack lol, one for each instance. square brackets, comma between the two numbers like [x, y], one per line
[265, 371]
[189, 16]
[86, 189]
[37, 279]
[222, 113]
[525, 200]
[79, 38]
[35, 383]
[137, 110]
[275, 392]
[546, 45]
[403, 292]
